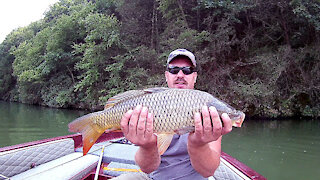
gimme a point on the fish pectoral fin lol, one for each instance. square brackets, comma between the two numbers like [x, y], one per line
[163, 142]
[113, 129]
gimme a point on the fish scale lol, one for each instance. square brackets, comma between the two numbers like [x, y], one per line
[173, 111]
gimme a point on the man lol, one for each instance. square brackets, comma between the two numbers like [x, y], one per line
[190, 156]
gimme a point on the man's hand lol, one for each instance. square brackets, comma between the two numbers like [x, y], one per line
[137, 127]
[204, 145]
[209, 128]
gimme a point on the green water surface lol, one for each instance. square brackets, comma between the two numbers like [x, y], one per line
[282, 149]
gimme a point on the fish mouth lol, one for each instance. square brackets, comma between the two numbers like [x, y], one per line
[238, 122]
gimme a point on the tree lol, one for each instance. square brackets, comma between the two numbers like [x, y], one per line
[101, 44]
[260, 55]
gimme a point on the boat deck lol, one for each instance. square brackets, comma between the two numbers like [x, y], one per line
[61, 158]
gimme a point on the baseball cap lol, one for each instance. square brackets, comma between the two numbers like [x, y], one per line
[182, 52]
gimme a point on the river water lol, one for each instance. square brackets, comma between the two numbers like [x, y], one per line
[282, 149]
[23, 123]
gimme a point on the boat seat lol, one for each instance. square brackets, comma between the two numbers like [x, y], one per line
[19, 160]
[114, 152]
[49, 160]
[71, 166]
[226, 171]
[121, 160]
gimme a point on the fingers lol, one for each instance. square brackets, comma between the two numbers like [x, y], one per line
[227, 124]
[216, 122]
[198, 125]
[207, 124]
[142, 122]
[125, 121]
[134, 120]
[149, 126]
[137, 124]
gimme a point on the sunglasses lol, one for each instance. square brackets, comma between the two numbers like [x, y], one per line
[185, 70]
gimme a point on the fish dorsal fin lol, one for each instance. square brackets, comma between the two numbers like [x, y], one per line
[164, 141]
[155, 89]
[131, 94]
[122, 97]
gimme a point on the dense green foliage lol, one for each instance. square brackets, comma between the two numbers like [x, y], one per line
[262, 56]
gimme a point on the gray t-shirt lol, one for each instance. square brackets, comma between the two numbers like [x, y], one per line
[175, 162]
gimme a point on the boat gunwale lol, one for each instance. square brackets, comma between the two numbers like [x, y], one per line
[246, 170]
[249, 172]
[77, 138]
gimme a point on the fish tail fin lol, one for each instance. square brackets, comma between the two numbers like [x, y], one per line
[89, 130]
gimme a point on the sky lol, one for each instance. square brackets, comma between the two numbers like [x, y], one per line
[20, 13]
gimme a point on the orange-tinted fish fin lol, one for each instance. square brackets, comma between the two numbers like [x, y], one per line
[89, 137]
[163, 142]
[118, 130]
[109, 105]
[89, 130]
[114, 129]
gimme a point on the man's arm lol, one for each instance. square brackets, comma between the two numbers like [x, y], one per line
[137, 127]
[204, 145]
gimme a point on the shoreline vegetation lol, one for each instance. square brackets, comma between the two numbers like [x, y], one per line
[262, 57]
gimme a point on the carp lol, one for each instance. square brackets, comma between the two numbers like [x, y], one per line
[173, 111]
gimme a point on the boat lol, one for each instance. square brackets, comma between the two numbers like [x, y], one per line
[112, 155]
